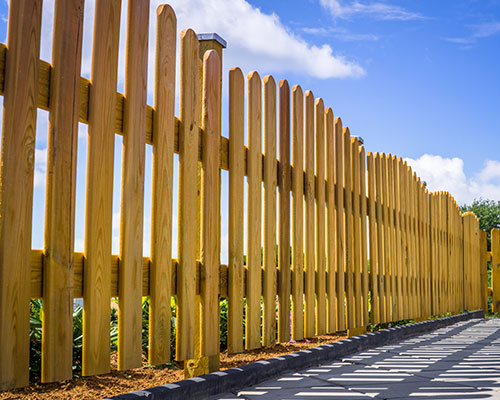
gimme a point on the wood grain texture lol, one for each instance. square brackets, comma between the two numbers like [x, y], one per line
[162, 188]
[254, 214]
[404, 238]
[17, 160]
[236, 212]
[270, 183]
[373, 241]
[364, 239]
[356, 224]
[284, 185]
[319, 126]
[57, 327]
[398, 247]
[309, 190]
[331, 225]
[380, 238]
[188, 202]
[341, 236]
[132, 190]
[392, 236]
[99, 193]
[210, 209]
[297, 213]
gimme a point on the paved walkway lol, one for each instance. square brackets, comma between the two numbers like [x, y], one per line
[461, 361]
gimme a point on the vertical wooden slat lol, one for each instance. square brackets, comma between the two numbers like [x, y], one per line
[495, 269]
[341, 238]
[391, 237]
[399, 253]
[364, 240]
[132, 196]
[210, 209]
[483, 270]
[99, 196]
[331, 281]
[349, 267]
[380, 239]
[309, 183]
[404, 239]
[254, 185]
[411, 264]
[57, 327]
[270, 182]
[356, 222]
[16, 191]
[189, 115]
[160, 282]
[297, 213]
[319, 118]
[373, 245]
[387, 240]
[284, 184]
[236, 211]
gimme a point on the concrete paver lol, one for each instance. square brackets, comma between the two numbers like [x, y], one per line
[461, 361]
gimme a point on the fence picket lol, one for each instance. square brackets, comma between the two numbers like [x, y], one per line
[373, 246]
[57, 346]
[16, 177]
[341, 236]
[99, 193]
[188, 203]
[310, 281]
[284, 184]
[319, 118]
[297, 214]
[331, 232]
[254, 201]
[236, 211]
[270, 183]
[162, 188]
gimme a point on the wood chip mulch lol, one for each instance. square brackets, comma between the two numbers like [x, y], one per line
[118, 382]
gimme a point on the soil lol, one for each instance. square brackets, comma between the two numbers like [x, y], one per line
[118, 382]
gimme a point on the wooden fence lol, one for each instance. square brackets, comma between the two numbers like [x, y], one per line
[316, 211]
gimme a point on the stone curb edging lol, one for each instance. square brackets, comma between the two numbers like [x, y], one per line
[247, 375]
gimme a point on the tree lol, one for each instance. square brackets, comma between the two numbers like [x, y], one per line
[488, 212]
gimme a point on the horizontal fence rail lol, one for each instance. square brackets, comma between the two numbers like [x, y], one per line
[336, 239]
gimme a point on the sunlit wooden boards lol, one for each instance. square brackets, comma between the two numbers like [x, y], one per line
[236, 211]
[162, 187]
[99, 193]
[17, 161]
[188, 180]
[57, 343]
[297, 139]
[254, 202]
[284, 185]
[270, 183]
[309, 231]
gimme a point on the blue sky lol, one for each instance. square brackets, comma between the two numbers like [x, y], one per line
[419, 79]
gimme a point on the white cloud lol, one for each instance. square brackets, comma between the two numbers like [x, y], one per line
[260, 41]
[447, 174]
[40, 167]
[479, 31]
[256, 40]
[376, 10]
